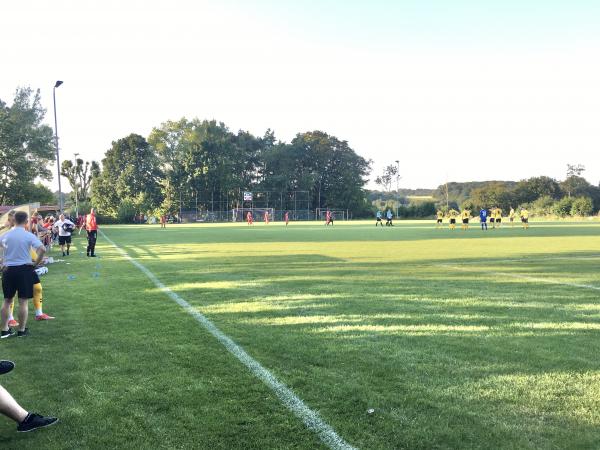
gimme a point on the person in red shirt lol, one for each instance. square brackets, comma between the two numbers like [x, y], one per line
[249, 218]
[91, 227]
[163, 221]
[266, 217]
[286, 217]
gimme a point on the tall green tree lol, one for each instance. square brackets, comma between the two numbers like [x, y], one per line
[575, 186]
[325, 166]
[130, 173]
[387, 178]
[493, 194]
[205, 159]
[79, 176]
[533, 188]
[25, 145]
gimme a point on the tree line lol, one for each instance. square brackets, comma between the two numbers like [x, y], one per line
[542, 196]
[185, 162]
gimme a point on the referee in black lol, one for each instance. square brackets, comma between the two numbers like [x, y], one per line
[17, 271]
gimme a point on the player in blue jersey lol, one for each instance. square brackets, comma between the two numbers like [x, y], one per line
[483, 215]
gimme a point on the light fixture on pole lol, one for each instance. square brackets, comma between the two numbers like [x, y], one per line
[60, 199]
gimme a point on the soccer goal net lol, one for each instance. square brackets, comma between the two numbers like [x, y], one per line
[336, 214]
[258, 214]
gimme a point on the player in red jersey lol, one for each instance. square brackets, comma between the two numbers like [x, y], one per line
[249, 218]
[286, 217]
[328, 218]
[266, 217]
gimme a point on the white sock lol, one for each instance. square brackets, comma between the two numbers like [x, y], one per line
[38, 312]
[11, 318]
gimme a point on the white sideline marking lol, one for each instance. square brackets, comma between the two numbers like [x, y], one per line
[522, 277]
[310, 418]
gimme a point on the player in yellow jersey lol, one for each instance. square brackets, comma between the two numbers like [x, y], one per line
[493, 217]
[466, 215]
[511, 216]
[525, 218]
[440, 218]
[498, 217]
[453, 214]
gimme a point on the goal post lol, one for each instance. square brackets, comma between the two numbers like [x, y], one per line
[258, 214]
[336, 214]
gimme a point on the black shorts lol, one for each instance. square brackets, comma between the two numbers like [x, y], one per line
[62, 240]
[512, 219]
[498, 220]
[439, 221]
[524, 220]
[379, 219]
[492, 220]
[452, 221]
[465, 220]
[18, 279]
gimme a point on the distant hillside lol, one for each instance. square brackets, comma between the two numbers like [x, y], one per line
[404, 193]
[457, 192]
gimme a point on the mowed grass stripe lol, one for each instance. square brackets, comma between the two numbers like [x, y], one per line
[123, 369]
[519, 276]
[310, 418]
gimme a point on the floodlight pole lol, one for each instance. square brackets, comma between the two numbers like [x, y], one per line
[397, 188]
[76, 188]
[60, 199]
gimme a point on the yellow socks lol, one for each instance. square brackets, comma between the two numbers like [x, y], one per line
[37, 298]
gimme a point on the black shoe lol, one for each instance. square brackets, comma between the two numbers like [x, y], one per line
[67, 252]
[64, 254]
[6, 366]
[23, 333]
[34, 421]
[7, 334]
[92, 255]
[87, 254]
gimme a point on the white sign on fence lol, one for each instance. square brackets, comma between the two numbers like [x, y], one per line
[248, 196]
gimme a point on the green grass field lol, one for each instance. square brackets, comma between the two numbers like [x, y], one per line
[455, 339]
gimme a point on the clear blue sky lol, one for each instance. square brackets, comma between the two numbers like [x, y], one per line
[464, 90]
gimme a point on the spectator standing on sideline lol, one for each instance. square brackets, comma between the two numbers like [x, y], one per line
[17, 277]
[91, 226]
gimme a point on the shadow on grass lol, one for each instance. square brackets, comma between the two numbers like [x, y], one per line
[449, 358]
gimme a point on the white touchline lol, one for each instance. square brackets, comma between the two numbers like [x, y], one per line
[522, 277]
[310, 418]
